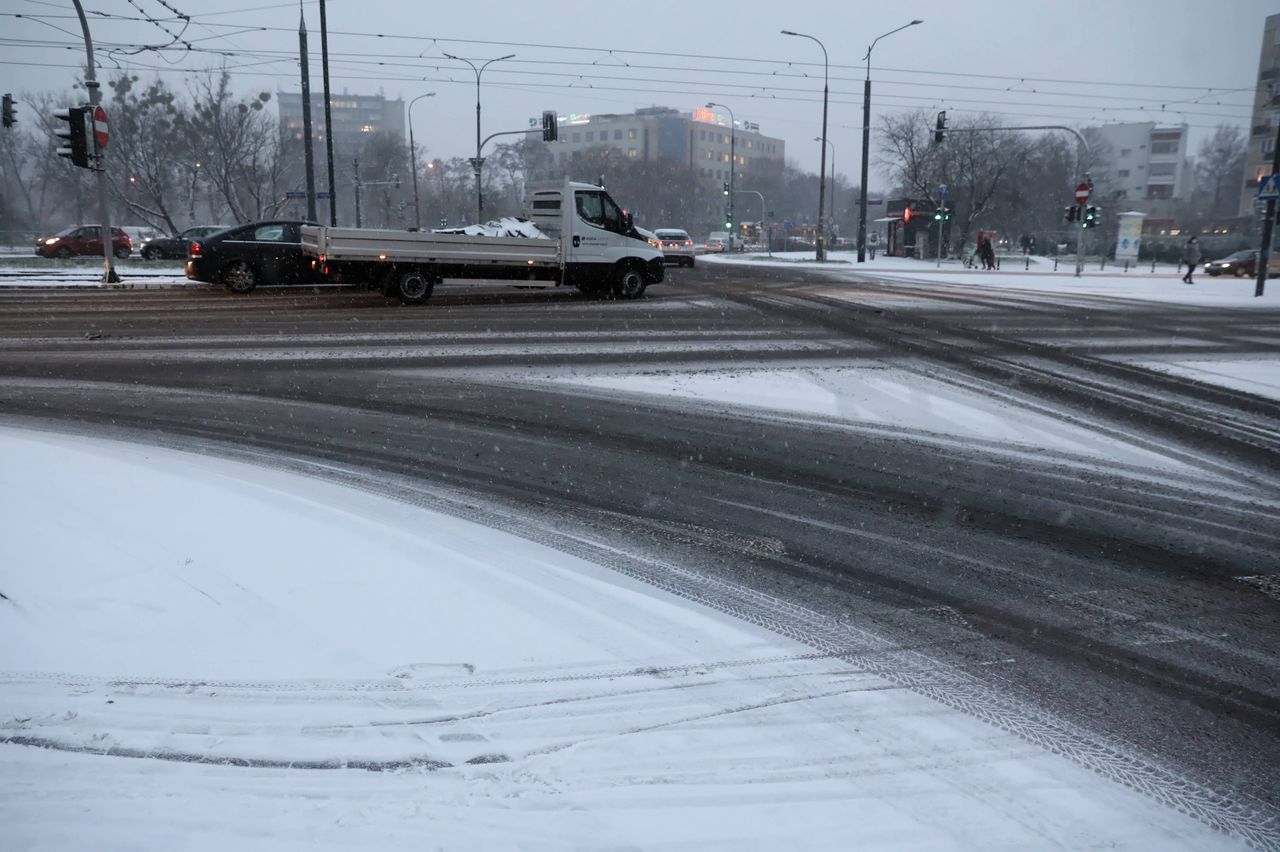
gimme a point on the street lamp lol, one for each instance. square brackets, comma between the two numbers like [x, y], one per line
[832, 210]
[413, 162]
[478, 161]
[822, 169]
[733, 165]
[866, 143]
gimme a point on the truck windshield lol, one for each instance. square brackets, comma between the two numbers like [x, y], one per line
[598, 209]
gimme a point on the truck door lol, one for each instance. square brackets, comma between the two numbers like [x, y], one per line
[601, 220]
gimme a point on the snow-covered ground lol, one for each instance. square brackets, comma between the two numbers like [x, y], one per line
[1165, 285]
[205, 654]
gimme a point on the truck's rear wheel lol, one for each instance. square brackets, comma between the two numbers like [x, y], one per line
[413, 286]
[629, 282]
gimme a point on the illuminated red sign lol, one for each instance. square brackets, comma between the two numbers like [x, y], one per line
[704, 114]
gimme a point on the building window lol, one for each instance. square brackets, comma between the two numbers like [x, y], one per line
[1123, 173]
[577, 137]
[1161, 169]
[591, 136]
[1164, 147]
[1160, 190]
[1124, 152]
[617, 134]
[366, 128]
[631, 133]
[632, 153]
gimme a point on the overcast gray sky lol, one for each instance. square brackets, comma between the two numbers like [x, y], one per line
[1080, 63]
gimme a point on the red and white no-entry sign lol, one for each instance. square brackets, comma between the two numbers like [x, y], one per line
[1082, 193]
[100, 126]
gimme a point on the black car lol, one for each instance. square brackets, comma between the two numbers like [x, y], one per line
[244, 257]
[176, 247]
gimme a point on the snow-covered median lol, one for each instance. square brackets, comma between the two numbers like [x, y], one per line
[199, 653]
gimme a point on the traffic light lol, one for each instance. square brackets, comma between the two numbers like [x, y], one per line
[1071, 213]
[1091, 216]
[76, 147]
[550, 127]
[9, 120]
[444, 221]
[938, 214]
[726, 187]
[940, 129]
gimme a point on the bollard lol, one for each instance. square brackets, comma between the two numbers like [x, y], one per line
[1153, 267]
[1055, 263]
[1103, 265]
[1126, 266]
[1027, 265]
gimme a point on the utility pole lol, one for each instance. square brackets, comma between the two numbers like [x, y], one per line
[356, 168]
[306, 115]
[1268, 226]
[109, 275]
[328, 117]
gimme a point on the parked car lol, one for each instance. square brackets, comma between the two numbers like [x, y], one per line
[177, 246]
[141, 233]
[1243, 263]
[83, 239]
[676, 245]
[242, 258]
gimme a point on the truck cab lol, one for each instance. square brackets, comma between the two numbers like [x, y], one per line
[601, 246]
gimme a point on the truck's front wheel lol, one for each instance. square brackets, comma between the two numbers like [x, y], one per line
[629, 282]
[413, 287]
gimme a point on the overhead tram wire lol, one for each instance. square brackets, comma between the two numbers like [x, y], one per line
[1154, 102]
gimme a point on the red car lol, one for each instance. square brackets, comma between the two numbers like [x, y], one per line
[83, 239]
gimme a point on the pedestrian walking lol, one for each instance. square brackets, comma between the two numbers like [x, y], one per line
[988, 254]
[1190, 256]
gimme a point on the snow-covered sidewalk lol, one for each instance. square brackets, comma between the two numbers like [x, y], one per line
[1165, 285]
[200, 653]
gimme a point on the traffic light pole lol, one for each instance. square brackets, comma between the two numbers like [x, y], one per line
[1268, 226]
[109, 275]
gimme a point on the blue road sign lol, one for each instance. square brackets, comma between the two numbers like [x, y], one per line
[1269, 188]
[769, 215]
[942, 191]
[788, 224]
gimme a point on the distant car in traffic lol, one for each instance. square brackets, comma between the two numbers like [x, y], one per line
[139, 234]
[83, 239]
[176, 247]
[1243, 263]
[676, 245]
[242, 258]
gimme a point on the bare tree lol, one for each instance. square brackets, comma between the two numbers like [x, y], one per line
[239, 147]
[973, 164]
[1220, 169]
[147, 149]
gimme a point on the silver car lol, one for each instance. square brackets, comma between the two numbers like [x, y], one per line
[677, 246]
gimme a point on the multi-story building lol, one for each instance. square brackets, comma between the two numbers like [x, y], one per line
[700, 139]
[1142, 163]
[1266, 116]
[354, 117]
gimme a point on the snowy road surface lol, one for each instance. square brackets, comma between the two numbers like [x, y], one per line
[193, 649]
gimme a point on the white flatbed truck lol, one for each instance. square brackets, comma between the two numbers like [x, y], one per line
[590, 244]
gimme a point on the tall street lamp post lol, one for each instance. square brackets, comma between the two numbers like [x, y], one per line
[822, 168]
[733, 166]
[831, 211]
[478, 161]
[413, 162]
[866, 144]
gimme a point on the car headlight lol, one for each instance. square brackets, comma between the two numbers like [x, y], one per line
[51, 241]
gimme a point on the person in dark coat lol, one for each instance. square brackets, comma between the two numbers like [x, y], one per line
[988, 253]
[1190, 256]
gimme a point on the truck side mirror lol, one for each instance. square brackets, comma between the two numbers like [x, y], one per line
[627, 222]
